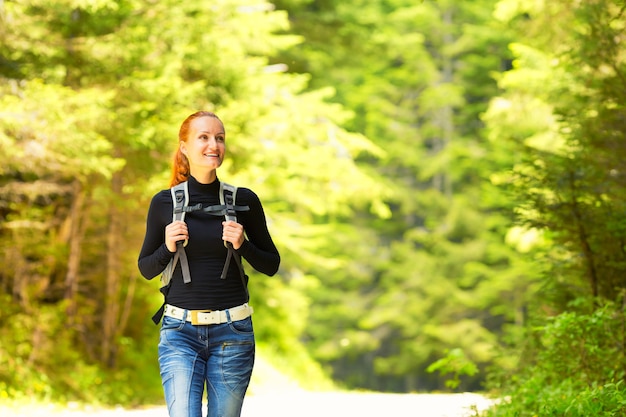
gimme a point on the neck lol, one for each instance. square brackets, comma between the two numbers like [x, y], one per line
[204, 177]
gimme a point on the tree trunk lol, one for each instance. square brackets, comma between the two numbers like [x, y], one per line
[583, 238]
[76, 240]
[112, 301]
[443, 118]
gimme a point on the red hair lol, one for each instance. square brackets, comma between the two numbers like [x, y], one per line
[180, 166]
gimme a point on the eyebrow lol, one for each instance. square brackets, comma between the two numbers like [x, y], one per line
[207, 132]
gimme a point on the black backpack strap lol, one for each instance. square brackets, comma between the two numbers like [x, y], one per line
[228, 209]
[180, 199]
[228, 194]
[180, 203]
[156, 318]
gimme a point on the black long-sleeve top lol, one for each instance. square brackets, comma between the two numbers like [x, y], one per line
[205, 250]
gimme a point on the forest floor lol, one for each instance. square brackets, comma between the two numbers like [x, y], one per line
[271, 394]
[299, 403]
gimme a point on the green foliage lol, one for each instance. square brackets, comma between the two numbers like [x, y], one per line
[456, 363]
[38, 360]
[436, 269]
[91, 96]
[572, 366]
[556, 117]
[393, 144]
[568, 148]
[607, 400]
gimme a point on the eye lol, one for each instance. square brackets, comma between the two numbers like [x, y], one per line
[220, 138]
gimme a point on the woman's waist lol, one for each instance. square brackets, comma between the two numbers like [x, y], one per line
[205, 297]
[204, 317]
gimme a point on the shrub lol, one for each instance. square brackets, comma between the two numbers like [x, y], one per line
[571, 367]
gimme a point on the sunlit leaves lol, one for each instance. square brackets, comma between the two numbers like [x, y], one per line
[563, 88]
[52, 131]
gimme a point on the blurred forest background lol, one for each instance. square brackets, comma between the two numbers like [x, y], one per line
[445, 181]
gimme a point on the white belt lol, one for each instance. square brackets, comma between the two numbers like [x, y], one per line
[208, 316]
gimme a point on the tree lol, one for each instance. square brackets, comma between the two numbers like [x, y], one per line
[93, 93]
[560, 116]
[570, 147]
[416, 76]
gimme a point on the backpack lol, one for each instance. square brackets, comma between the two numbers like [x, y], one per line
[226, 208]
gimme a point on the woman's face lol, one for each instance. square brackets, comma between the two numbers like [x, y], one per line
[206, 143]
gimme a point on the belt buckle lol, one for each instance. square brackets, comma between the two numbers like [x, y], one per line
[194, 316]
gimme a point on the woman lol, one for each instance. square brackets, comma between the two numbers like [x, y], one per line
[220, 354]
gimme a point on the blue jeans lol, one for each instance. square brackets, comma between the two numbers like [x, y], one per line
[218, 355]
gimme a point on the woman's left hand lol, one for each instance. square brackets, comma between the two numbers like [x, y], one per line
[233, 233]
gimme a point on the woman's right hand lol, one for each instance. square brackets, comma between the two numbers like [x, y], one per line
[174, 232]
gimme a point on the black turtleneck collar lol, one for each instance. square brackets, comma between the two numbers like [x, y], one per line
[203, 188]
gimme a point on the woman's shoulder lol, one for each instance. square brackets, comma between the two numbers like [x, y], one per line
[246, 194]
[245, 191]
[163, 197]
[247, 197]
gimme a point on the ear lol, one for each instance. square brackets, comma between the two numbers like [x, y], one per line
[183, 147]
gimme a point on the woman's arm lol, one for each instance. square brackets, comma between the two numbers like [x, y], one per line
[154, 255]
[258, 249]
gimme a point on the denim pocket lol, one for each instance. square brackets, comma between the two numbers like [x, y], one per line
[170, 323]
[243, 327]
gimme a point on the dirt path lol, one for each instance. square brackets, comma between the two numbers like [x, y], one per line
[341, 404]
[289, 403]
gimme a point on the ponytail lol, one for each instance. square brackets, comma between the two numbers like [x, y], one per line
[180, 168]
